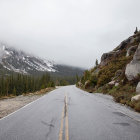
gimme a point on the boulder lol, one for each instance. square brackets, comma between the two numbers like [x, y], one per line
[87, 84]
[135, 98]
[137, 54]
[80, 84]
[116, 84]
[131, 50]
[106, 56]
[138, 88]
[111, 83]
[133, 68]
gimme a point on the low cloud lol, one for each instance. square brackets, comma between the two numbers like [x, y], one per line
[68, 31]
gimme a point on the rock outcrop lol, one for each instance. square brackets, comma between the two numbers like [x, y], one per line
[135, 98]
[126, 44]
[133, 68]
[107, 57]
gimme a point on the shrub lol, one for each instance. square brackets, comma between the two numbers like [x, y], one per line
[137, 106]
[93, 79]
[108, 71]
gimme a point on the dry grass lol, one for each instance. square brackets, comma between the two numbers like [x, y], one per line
[40, 92]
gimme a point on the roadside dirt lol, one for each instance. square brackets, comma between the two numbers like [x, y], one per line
[10, 105]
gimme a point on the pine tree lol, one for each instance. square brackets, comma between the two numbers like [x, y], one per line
[96, 63]
[136, 31]
[14, 91]
[77, 78]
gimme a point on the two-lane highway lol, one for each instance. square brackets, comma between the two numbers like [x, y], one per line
[69, 113]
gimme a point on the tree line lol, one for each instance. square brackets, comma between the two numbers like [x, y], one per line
[19, 84]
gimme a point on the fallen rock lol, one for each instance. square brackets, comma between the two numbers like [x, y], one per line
[135, 98]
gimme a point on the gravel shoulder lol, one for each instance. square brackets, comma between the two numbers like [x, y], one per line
[10, 105]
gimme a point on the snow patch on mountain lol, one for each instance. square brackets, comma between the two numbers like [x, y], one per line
[19, 61]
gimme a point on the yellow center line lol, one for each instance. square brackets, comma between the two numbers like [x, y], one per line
[66, 121]
[64, 116]
[61, 126]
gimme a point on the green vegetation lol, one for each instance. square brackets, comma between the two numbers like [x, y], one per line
[64, 80]
[108, 71]
[19, 84]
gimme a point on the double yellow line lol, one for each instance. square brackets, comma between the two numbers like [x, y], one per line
[64, 118]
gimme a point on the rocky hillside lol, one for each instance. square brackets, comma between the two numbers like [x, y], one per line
[118, 73]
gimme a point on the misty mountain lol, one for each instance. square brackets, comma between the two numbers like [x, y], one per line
[13, 60]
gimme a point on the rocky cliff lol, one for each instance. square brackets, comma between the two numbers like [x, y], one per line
[118, 73]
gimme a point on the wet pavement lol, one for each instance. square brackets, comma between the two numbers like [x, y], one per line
[69, 113]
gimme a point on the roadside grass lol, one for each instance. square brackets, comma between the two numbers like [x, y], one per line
[40, 92]
[121, 94]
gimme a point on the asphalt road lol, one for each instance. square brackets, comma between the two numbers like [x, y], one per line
[69, 113]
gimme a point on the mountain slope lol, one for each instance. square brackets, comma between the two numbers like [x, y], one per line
[20, 62]
[118, 73]
[13, 60]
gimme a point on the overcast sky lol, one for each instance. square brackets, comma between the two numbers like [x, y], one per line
[73, 32]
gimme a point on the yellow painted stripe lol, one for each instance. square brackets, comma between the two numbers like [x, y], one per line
[61, 127]
[64, 116]
[66, 121]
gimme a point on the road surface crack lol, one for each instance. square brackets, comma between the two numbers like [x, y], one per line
[50, 125]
